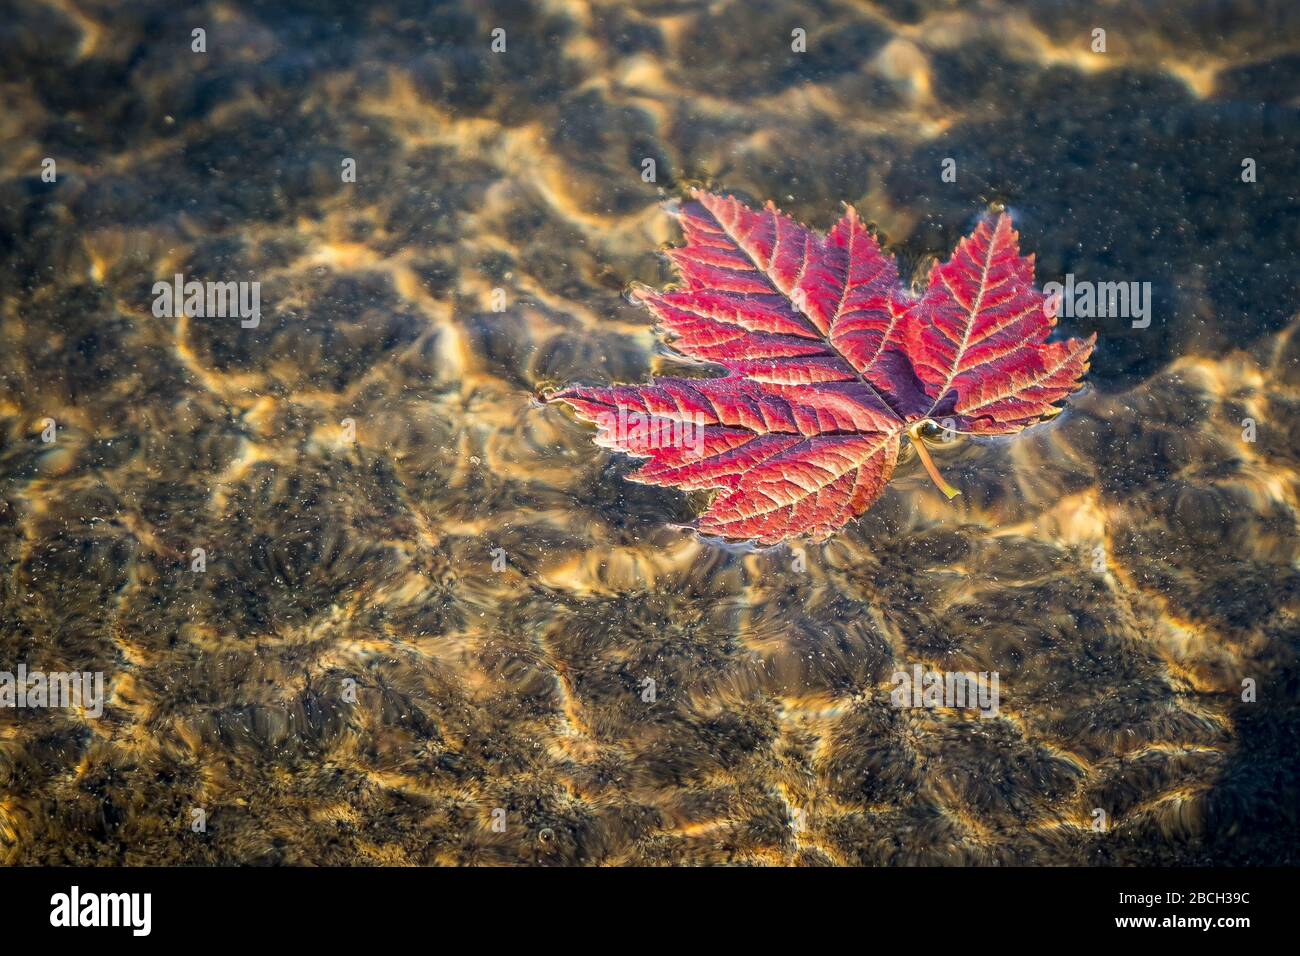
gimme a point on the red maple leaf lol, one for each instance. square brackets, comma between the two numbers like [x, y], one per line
[831, 361]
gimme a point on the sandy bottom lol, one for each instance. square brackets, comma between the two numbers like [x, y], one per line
[430, 610]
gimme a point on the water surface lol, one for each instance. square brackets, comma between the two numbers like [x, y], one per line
[451, 606]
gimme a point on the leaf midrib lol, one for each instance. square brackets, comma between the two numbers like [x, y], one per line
[902, 423]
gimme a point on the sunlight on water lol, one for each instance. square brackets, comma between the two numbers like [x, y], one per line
[353, 588]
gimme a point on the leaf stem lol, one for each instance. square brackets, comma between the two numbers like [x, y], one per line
[919, 444]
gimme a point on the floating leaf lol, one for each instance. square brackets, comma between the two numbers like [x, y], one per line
[831, 362]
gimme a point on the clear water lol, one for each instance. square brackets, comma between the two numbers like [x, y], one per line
[431, 623]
